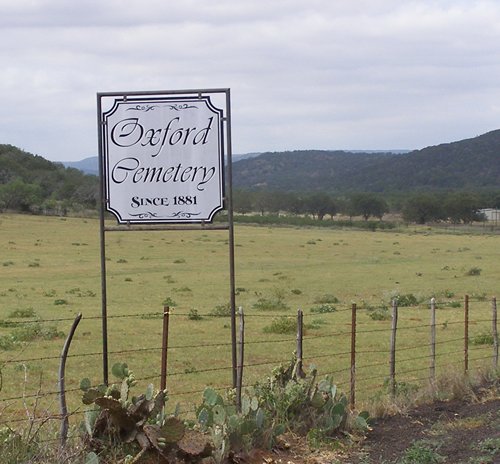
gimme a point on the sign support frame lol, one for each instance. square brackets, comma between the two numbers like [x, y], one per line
[228, 204]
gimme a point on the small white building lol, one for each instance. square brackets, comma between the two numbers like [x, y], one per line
[491, 214]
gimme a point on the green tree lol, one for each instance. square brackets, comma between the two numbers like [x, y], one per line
[319, 205]
[367, 205]
[18, 195]
[462, 207]
[423, 208]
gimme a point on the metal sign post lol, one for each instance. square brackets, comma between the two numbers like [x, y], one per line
[162, 167]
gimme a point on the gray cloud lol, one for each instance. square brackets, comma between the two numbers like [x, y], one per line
[323, 74]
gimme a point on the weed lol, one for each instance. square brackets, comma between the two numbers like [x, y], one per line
[380, 314]
[326, 298]
[179, 261]
[481, 339]
[282, 325]
[489, 446]
[315, 324]
[473, 271]
[169, 279]
[184, 289]
[60, 302]
[194, 315]
[6, 343]
[122, 261]
[169, 302]
[221, 310]
[323, 309]
[296, 291]
[35, 331]
[421, 452]
[34, 264]
[49, 293]
[270, 304]
[8, 263]
[22, 313]
[408, 299]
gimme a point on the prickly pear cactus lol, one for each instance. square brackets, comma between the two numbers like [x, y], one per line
[141, 419]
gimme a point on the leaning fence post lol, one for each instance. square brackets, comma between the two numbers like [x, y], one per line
[466, 334]
[62, 391]
[494, 332]
[432, 369]
[300, 335]
[394, 326]
[164, 348]
[241, 357]
[353, 356]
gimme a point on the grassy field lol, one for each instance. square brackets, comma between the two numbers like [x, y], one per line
[50, 272]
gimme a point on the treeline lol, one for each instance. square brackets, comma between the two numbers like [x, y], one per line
[30, 183]
[420, 208]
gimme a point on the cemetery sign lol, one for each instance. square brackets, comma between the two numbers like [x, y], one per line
[163, 159]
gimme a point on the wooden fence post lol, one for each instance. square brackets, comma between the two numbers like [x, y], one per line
[432, 369]
[353, 356]
[300, 336]
[466, 334]
[62, 374]
[164, 348]
[494, 332]
[394, 326]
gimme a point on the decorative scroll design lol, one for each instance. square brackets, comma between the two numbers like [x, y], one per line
[146, 215]
[177, 215]
[145, 108]
[178, 107]
[184, 215]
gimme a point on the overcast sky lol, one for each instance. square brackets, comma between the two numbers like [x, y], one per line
[303, 74]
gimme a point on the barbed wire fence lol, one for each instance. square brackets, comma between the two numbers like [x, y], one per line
[364, 357]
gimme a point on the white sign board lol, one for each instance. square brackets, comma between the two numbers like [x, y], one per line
[163, 159]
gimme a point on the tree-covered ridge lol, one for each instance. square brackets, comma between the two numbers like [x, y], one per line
[465, 165]
[31, 183]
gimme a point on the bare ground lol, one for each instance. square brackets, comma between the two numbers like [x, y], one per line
[452, 432]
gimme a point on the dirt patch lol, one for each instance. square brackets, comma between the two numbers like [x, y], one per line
[456, 431]
[451, 432]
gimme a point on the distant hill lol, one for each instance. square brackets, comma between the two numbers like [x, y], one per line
[32, 183]
[465, 165]
[88, 165]
[91, 165]
[471, 164]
